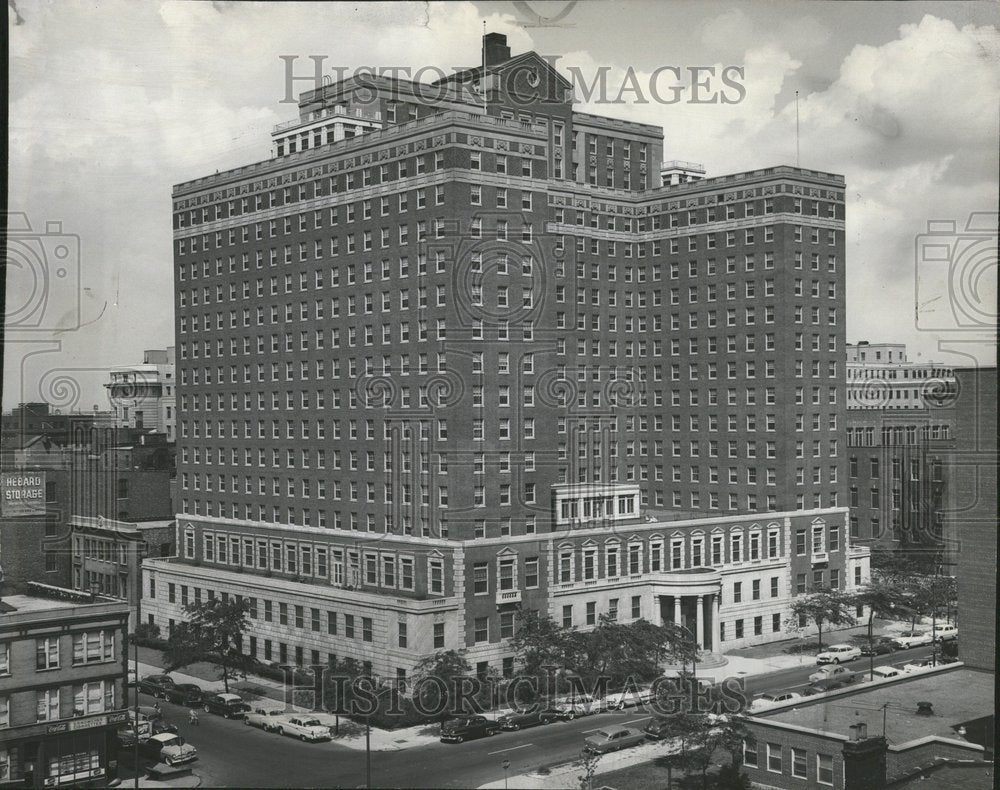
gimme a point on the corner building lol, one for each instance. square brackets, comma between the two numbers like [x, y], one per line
[460, 313]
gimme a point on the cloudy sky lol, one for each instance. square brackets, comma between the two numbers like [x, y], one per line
[111, 103]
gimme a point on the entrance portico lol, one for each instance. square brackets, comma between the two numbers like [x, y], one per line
[690, 598]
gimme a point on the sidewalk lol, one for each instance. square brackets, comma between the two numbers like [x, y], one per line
[568, 774]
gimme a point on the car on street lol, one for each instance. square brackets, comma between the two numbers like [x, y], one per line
[627, 698]
[878, 647]
[132, 677]
[577, 705]
[465, 728]
[229, 705]
[838, 654]
[305, 728]
[611, 739]
[831, 677]
[944, 633]
[267, 720]
[659, 727]
[912, 639]
[169, 748]
[772, 698]
[184, 694]
[530, 717]
[156, 685]
[881, 673]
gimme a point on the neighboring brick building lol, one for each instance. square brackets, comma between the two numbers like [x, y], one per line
[972, 513]
[900, 420]
[429, 320]
[817, 742]
[62, 690]
[107, 555]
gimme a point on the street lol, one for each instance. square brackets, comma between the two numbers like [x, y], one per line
[232, 754]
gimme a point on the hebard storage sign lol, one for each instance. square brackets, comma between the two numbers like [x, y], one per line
[23, 494]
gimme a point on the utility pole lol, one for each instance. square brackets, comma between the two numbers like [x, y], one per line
[135, 721]
[368, 751]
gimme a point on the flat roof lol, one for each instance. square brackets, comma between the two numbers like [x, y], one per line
[32, 603]
[957, 696]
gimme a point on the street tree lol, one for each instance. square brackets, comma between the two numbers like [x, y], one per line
[823, 607]
[438, 680]
[694, 739]
[213, 633]
[882, 599]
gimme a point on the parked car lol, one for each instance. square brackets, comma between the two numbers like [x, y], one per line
[911, 639]
[838, 654]
[156, 685]
[465, 728]
[878, 647]
[659, 728]
[518, 720]
[627, 698]
[184, 694]
[305, 728]
[578, 705]
[228, 705]
[918, 665]
[267, 720]
[132, 677]
[149, 712]
[770, 699]
[611, 739]
[881, 673]
[944, 633]
[831, 677]
[169, 748]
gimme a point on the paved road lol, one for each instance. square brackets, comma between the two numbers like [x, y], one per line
[232, 754]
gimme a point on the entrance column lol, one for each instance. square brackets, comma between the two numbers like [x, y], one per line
[700, 620]
[677, 610]
[717, 623]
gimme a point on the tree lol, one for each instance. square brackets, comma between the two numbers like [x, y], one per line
[214, 633]
[825, 606]
[338, 688]
[588, 764]
[882, 599]
[437, 678]
[695, 738]
[539, 642]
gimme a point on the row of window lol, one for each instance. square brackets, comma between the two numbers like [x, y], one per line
[87, 647]
[351, 568]
[772, 757]
[51, 704]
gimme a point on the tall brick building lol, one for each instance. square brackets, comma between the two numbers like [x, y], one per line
[467, 312]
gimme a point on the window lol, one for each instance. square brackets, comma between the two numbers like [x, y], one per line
[824, 769]
[47, 705]
[93, 646]
[481, 630]
[799, 765]
[95, 697]
[591, 612]
[750, 754]
[4, 658]
[438, 636]
[774, 757]
[480, 578]
[47, 653]
[567, 616]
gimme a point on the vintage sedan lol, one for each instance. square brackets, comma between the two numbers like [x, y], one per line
[627, 698]
[772, 698]
[912, 639]
[184, 694]
[170, 748]
[576, 705]
[305, 728]
[156, 685]
[465, 728]
[231, 706]
[831, 677]
[611, 739]
[267, 720]
[530, 717]
[944, 632]
[838, 654]
[878, 647]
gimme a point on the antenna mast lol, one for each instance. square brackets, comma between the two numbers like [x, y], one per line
[796, 128]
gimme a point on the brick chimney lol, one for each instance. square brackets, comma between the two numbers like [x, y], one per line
[864, 762]
[495, 48]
